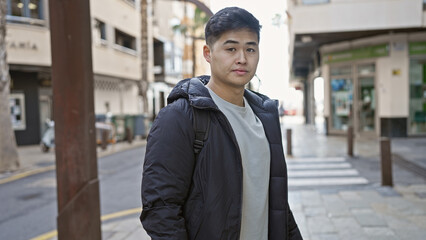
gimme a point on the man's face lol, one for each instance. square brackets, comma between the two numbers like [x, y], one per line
[233, 58]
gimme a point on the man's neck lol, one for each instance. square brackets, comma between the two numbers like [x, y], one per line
[229, 94]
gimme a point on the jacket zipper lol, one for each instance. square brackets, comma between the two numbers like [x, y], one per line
[234, 139]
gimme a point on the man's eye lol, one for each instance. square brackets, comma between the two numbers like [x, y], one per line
[231, 49]
[251, 50]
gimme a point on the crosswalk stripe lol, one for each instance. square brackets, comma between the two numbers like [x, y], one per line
[326, 181]
[292, 166]
[317, 159]
[319, 173]
[322, 172]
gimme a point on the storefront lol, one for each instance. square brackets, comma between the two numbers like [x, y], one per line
[352, 87]
[30, 102]
[417, 76]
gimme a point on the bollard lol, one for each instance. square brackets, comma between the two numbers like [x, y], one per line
[351, 141]
[289, 142]
[386, 161]
[129, 135]
[104, 139]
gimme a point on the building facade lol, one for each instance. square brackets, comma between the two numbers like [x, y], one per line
[116, 51]
[173, 49]
[367, 60]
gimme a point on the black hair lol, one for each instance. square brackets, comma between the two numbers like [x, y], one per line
[230, 18]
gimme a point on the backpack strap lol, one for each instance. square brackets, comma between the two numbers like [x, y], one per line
[201, 124]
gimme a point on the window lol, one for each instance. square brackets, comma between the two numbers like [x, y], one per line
[125, 40]
[28, 11]
[417, 104]
[100, 29]
[341, 97]
[131, 2]
[312, 2]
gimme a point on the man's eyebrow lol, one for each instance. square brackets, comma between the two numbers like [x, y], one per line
[230, 42]
[236, 42]
[252, 43]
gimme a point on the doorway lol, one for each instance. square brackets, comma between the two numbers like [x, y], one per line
[366, 100]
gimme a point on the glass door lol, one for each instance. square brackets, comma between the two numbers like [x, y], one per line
[366, 99]
[367, 104]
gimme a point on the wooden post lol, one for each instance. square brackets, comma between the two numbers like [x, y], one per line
[104, 139]
[351, 141]
[386, 161]
[75, 132]
[289, 152]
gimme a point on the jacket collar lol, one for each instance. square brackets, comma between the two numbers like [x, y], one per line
[198, 95]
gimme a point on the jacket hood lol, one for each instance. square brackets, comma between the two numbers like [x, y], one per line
[198, 95]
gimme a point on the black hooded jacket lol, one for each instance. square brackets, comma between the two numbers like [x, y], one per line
[187, 198]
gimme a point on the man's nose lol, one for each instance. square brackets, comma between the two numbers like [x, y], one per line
[241, 58]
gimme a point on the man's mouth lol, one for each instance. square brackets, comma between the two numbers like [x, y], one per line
[240, 71]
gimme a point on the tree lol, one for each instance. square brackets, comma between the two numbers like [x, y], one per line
[9, 159]
[193, 29]
[143, 83]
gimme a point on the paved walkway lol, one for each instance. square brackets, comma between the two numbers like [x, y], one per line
[338, 197]
[332, 196]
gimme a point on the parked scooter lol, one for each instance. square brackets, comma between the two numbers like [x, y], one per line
[48, 139]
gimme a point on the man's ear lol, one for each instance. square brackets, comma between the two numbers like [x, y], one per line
[207, 53]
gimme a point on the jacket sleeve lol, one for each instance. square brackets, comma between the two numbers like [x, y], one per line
[294, 232]
[167, 173]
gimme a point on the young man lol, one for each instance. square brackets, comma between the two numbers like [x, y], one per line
[236, 188]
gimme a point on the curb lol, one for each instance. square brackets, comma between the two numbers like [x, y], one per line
[23, 173]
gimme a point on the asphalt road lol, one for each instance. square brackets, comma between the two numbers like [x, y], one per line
[28, 206]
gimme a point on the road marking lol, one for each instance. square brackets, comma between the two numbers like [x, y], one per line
[326, 181]
[107, 217]
[322, 172]
[26, 174]
[121, 214]
[295, 166]
[315, 159]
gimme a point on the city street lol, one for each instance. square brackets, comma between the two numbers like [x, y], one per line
[332, 196]
[29, 205]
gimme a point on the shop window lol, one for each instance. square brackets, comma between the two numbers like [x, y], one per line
[417, 117]
[17, 110]
[341, 97]
[125, 40]
[25, 11]
[338, 71]
[366, 69]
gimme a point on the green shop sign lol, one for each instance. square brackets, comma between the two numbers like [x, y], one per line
[417, 48]
[360, 53]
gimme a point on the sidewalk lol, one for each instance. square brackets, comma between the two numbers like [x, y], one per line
[356, 206]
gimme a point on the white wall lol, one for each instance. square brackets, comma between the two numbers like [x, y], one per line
[28, 45]
[356, 15]
[109, 58]
[125, 100]
[393, 90]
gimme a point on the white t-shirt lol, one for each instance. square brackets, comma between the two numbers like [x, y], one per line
[255, 154]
